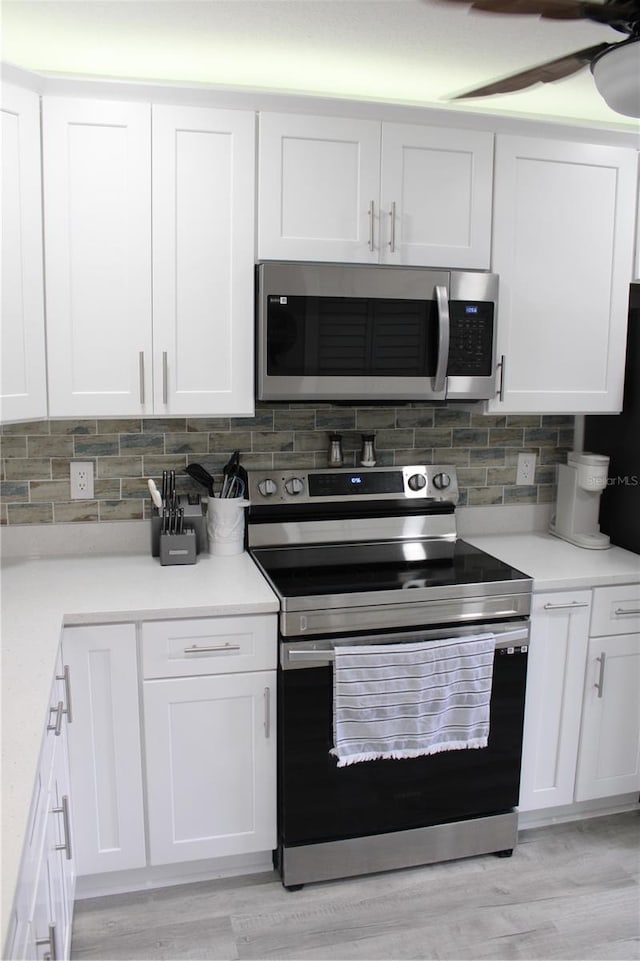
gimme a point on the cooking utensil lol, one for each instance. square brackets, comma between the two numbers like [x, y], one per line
[201, 476]
[155, 494]
[230, 472]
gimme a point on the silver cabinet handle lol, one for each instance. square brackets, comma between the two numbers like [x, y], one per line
[141, 376]
[372, 207]
[501, 365]
[620, 612]
[64, 811]
[56, 727]
[442, 300]
[165, 377]
[267, 712]
[600, 682]
[206, 648]
[566, 607]
[65, 676]
[51, 941]
[392, 239]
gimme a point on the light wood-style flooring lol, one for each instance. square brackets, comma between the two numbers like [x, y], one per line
[570, 891]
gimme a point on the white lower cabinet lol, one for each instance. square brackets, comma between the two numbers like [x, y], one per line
[104, 747]
[609, 759]
[582, 713]
[210, 736]
[211, 765]
[555, 679]
[43, 906]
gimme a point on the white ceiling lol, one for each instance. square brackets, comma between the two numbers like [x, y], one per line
[406, 51]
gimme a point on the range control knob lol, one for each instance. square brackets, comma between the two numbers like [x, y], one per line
[295, 485]
[441, 481]
[417, 481]
[267, 487]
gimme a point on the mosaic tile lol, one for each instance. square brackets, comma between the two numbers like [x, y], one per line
[405, 458]
[477, 496]
[537, 436]
[375, 418]
[500, 475]
[451, 417]
[472, 477]
[415, 417]
[284, 460]
[120, 425]
[228, 441]
[119, 466]
[263, 420]
[521, 495]
[311, 440]
[394, 439]
[55, 490]
[432, 438]
[74, 427]
[28, 427]
[134, 487]
[121, 510]
[291, 420]
[164, 425]
[489, 456]
[154, 464]
[99, 446]
[335, 420]
[145, 443]
[505, 437]
[186, 443]
[14, 491]
[276, 441]
[108, 489]
[523, 420]
[75, 512]
[13, 446]
[49, 446]
[474, 437]
[456, 456]
[30, 513]
[205, 424]
[28, 468]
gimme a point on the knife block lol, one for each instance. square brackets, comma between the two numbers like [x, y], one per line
[194, 519]
[177, 548]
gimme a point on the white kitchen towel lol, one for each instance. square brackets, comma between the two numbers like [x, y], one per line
[406, 700]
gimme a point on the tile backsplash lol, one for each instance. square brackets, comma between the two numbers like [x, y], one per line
[125, 452]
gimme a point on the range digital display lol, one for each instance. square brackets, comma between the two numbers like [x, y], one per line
[354, 482]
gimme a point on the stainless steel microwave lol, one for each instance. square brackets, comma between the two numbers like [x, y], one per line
[365, 332]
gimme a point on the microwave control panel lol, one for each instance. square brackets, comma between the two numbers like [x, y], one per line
[470, 338]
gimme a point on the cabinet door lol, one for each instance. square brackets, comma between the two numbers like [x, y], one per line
[435, 203]
[555, 674]
[211, 765]
[104, 748]
[203, 260]
[319, 187]
[23, 369]
[97, 205]
[609, 761]
[563, 248]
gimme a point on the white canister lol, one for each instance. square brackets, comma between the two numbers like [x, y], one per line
[225, 524]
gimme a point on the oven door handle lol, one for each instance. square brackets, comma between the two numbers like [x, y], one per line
[504, 639]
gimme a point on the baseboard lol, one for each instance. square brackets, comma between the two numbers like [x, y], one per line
[578, 812]
[167, 875]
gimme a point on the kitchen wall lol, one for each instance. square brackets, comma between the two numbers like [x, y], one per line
[36, 455]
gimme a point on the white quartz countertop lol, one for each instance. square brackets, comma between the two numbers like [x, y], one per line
[554, 564]
[40, 596]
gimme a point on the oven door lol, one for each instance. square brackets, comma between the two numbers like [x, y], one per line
[320, 802]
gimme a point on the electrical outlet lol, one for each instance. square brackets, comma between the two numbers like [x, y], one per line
[526, 469]
[81, 479]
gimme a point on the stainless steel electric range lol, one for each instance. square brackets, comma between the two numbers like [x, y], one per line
[372, 556]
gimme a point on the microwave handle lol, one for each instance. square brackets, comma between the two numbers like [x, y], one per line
[442, 301]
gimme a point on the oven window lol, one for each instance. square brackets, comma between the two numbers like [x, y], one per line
[351, 336]
[321, 802]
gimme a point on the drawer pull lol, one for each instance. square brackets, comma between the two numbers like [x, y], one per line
[267, 712]
[67, 691]
[51, 941]
[620, 612]
[64, 811]
[207, 648]
[56, 727]
[600, 682]
[566, 607]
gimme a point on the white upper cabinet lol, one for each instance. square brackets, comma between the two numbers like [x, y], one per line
[131, 333]
[563, 235]
[97, 206]
[23, 370]
[203, 260]
[346, 190]
[435, 200]
[318, 188]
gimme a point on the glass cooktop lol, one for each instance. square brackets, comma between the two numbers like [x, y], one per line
[403, 566]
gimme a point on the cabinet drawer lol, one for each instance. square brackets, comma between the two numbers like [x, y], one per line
[216, 645]
[616, 610]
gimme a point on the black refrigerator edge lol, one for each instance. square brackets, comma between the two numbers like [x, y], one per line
[619, 438]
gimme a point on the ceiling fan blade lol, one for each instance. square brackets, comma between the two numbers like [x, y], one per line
[611, 11]
[543, 73]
